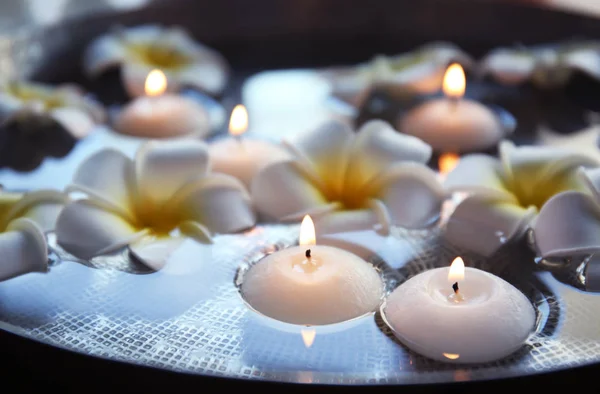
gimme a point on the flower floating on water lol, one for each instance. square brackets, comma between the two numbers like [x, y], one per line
[40, 120]
[506, 195]
[547, 66]
[151, 203]
[351, 181]
[421, 70]
[24, 218]
[139, 50]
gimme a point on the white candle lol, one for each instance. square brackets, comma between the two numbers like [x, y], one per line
[459, 315]
[162, 115]
[454, 124]
[312, 284]
[241, 157]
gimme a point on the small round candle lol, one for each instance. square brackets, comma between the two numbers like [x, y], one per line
[241, 157]
[161, 115]
[454, 124]
[459, 315]
[312, 284]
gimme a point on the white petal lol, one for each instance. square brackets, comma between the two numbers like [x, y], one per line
[568, 225]
[133, 77]
[325, 151]
[155, 252]
[282, 189]
[218, 202]
[541, 171]
[41, 206]
[346, 221]
[592, 274]
[195, 231]
[103, 53]
[77, 122]
[378, 146]
[163, 167]
[412, 195]
[23, 249]
[592, 179]
[483, 223]
[107, 175]
[585, 60]
[9, 105]
[508, 66]
[210, 76]
[85, 230]
[477, 172]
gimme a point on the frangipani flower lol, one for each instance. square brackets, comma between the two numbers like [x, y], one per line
[547, 66]
[139, 50]
[150, 203]
[421, 70]
[40, 120]
[351, 181]
[24, 218]
[506, 194]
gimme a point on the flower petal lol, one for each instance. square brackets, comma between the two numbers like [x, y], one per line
[155, 252]
[378, 146]
[77, 122]
[282, 189]
[346, 221]
[210, 75]
[508, 66]
[568, 225]
[107, 175]
[483, 223]
[592, 274]
[86, 230]
[538, 172]
[325, 151]
[585, 60]
[41, 206]
[196, 231]
[163, 167]
[23, 249]
[477, 172]
[591, 177]
[412, 195]
[103, 53]
[219, 202]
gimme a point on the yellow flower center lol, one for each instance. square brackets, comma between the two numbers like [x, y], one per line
[160, 56]
[160, 221]
[30, 93]
[7, 201]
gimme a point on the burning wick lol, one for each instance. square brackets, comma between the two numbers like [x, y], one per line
[307, 254]
[455, 287]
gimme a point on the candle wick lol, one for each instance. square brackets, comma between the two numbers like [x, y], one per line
[307, 254]
[455, 287]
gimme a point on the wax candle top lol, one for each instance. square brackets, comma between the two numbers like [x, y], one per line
[459, 314]
[312, 284]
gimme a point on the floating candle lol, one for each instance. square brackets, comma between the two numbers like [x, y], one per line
[312, 284]
[162, 115]
[458, 314]
[241, 157]
[453, 124]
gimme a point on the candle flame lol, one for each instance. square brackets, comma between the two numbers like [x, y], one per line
[308, 336]
[451, 356]
[307, 231]
[156, 83]
[238, 123]
[454, 81]
[457, 270]
[447, 162]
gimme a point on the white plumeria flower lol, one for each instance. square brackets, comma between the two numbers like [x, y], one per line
[349, 181]
[139, 50]
[151, 203]
[24, 219]
[421, 70]
[547, 66]
[506, 194]
[66, 105]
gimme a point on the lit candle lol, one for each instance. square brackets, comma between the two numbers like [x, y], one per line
[241, 157]
[162, 115]
[459, 314]
[312, 284]
[446, 163]
[454, 124]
